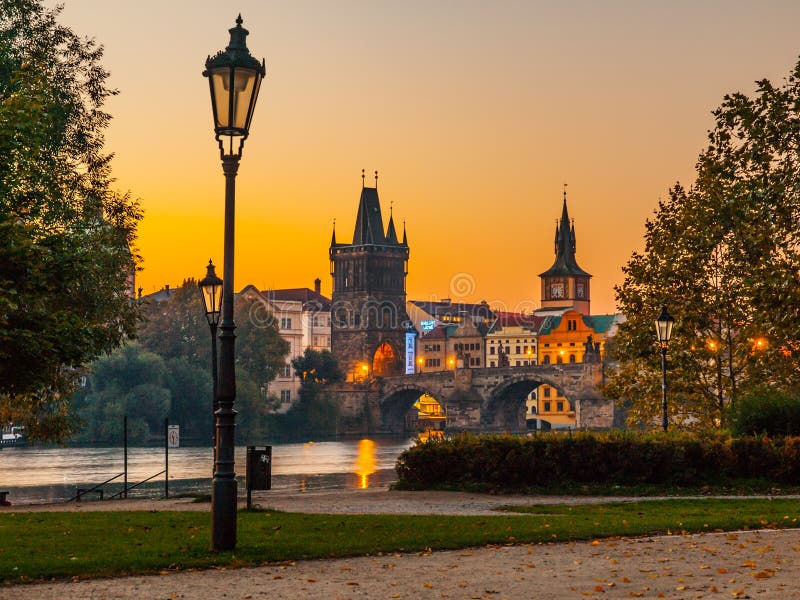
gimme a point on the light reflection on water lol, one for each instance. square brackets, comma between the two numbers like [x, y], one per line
[48, 474]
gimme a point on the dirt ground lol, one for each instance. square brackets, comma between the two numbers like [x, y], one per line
[751, 564]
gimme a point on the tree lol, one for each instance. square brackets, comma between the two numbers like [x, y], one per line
[725, 256]
[178, 327]
[177, 330]
[128, 382]
[65, 235]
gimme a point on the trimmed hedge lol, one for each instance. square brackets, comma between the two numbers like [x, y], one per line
[621, 458]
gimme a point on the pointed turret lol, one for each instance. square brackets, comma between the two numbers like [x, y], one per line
[405, 237]
[565, 263]
[391, 234]
[333, 235]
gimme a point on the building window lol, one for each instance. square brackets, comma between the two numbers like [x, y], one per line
[572, 358]
[546, 360]
[287, 370]
[286, 396]
[517, 352]
[559, 360]
[547, 345]
[517, 365]
[492, 364]
[491, 350]
[546, 407]
[286, 322]
[572, 325]
[559, 406]
[547, 392]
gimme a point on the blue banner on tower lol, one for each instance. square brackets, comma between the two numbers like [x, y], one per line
[411, 351]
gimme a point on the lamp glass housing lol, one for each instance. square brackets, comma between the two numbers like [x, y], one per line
[211, 286]
[234, 91]
[664, 324]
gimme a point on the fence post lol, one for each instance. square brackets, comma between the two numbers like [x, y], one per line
[125, 452]
[166, 457]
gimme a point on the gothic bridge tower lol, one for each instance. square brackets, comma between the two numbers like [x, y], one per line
[368, 311]
[565, 284]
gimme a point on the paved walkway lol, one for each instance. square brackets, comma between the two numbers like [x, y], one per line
[750, 564]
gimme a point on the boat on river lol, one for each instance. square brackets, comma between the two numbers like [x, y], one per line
[13, 436]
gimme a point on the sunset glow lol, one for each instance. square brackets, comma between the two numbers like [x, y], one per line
[475, 114]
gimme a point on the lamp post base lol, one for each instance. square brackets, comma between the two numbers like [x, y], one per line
[224, 503]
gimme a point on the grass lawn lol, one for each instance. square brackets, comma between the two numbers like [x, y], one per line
[37, 546]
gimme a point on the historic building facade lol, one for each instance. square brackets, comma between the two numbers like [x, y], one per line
[303, 319]
[368, 316]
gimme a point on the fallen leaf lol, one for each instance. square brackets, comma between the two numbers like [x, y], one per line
[766, 574]
[722, 570]
[748, 563]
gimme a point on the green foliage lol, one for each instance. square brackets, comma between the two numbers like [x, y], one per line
[65, 235]
[129, 382]
[725, 256]
[766, 412]
[317, 367]
[555, 459]
[108, 544]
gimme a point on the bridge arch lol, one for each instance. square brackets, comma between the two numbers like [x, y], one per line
[396, 402]
[505, 406]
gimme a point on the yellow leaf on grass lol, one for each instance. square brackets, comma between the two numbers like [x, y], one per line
[427, 584]
[749, 563]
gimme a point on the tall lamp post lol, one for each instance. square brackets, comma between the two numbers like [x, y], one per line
[211, 288]
[234, 78]
[664, 323]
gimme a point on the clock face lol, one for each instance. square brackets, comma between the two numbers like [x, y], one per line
[557, 290]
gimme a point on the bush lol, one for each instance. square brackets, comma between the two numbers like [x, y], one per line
[766, 412]
[553, 460]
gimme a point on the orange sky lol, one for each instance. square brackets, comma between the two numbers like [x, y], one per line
[475, 114]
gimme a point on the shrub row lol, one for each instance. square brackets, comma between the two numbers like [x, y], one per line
[766, 412]
[623, 458]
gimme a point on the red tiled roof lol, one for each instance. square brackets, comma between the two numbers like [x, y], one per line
[305, 295]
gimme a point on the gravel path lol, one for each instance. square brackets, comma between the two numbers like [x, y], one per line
[751, 564]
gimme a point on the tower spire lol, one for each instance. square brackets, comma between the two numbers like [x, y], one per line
[333, 235]
[363, 179]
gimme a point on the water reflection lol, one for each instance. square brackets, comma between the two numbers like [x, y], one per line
[365, 462]
[50, 474]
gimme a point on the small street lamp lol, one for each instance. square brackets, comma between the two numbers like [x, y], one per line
[211, 288]
[664, 323]
[234, 78]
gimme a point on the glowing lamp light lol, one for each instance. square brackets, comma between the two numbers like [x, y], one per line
[664, 323]
[211, 286]
[234, 78]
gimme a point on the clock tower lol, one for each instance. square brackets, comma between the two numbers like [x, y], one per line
[565, 284]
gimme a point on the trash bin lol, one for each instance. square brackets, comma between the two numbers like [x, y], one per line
[259, 469]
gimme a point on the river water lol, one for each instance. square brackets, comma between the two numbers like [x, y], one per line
[33, 475]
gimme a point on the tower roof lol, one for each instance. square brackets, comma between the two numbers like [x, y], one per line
[565, 263]
[369, 223]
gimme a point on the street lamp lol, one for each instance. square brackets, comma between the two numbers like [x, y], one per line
[234, 78]
[664, 323]
[211, 288]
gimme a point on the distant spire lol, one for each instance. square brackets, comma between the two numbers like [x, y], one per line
[391, 234]
[405, 237]
[376, 180]
[363, 178]
[333, 235]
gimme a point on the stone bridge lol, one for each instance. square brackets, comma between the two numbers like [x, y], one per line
[480, 400]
